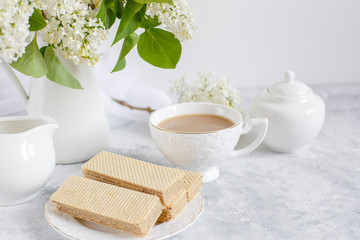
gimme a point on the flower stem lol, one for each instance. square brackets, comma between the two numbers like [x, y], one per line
[147, 109]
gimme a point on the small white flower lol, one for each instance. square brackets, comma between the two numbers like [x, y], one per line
[177, 18]
[207, 89]
[72, 29]
[14, 28]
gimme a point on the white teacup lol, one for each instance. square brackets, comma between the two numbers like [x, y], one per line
[201, 151]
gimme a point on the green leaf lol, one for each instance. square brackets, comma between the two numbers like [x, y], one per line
[31, 63]
[106, 15]
[42, 50]
[37, 21]
[110, 18]
[128, 44]
[102, 13]
[134, 23]
[131, 8]
[57, 71]
[120, 9]
[116, 6]
[155, 1]
[120, 65]
[150, 22]
[159, 48]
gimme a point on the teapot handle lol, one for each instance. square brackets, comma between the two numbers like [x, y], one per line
[16, 82]
[262, 123]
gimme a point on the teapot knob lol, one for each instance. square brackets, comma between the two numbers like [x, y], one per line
[289, 76]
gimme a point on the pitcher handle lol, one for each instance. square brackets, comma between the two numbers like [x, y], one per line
[263, 124]
[16, 82]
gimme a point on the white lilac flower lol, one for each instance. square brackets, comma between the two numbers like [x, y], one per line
[177, 18]
[207, 89]
[73, 29]
[14, 28]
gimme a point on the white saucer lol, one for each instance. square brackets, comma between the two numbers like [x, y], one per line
[74, 228]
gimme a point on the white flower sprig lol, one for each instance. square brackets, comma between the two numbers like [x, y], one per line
[207, 89]
[76, 29]
[177, 18]
[14, 28]
[73, 30]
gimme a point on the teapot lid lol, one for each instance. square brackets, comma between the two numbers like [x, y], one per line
[289, 87]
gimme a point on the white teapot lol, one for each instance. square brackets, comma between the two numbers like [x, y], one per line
[296, 114]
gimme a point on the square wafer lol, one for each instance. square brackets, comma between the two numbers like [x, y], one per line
[108, 205]
[137, 175]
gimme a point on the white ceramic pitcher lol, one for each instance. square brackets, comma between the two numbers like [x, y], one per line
[83, 125]
[27, 157]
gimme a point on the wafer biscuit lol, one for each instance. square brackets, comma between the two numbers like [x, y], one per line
[176, 206]
[108, 205]
[137, 175]
[193, 183]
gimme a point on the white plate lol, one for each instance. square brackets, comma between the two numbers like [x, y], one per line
[74, 228]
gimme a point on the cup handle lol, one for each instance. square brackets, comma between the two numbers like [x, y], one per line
[262, 123]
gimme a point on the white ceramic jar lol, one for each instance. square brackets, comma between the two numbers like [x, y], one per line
[295, 113]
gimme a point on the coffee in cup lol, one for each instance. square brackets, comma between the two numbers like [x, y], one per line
[182, 134]
[196, 123]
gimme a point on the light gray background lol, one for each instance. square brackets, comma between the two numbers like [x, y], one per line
[253, 41]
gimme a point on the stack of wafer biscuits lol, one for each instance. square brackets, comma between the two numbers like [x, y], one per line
[115, 183]
[108, 205]
[167, 183]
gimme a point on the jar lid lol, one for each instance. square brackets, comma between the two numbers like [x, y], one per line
[289, 87]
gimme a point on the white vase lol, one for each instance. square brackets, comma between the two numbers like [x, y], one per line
[83, 126]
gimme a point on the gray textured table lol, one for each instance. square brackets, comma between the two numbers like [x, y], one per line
[312, 194]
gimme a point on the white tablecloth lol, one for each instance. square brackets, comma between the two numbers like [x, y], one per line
[312, 194]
